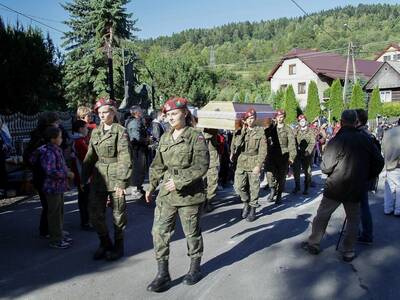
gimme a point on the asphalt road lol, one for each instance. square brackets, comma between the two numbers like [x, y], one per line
[259, 260]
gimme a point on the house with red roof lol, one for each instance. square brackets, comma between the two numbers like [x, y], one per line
[390, 53]
[300, 66]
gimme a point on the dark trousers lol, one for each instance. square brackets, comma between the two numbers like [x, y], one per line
[55, 215]
[325, 210]
[277, 170]
[366, 217]
[83, 202]
[44, 224]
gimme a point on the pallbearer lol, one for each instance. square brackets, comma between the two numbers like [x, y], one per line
[250, 148]
[305, 144]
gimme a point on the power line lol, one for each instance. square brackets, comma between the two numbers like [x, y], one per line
[308, 16]
[305, 55]
[30, 18]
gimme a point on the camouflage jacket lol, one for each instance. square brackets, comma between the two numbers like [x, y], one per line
[250, 147]
[186, 161]
[108, 160]
[212, 143]
[287, 141]
[305, 141]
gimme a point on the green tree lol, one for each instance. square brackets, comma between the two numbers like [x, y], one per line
[278, 99]
[375, 104]
[336, 104]
[180, 75]
[290, 105]
[94, 24]
[313, 108]
[357, 97]
[31, 71]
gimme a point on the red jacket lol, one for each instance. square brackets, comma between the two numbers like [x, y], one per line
[79, 150]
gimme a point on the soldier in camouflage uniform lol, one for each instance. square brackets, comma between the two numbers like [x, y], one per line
[283, 153]
[108, 165]
[181, 161]
[305, 144]
[212, 174]
[250, 148]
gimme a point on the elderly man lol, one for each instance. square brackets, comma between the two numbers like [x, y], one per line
[350, 160]
[139, 142]
[391, 151]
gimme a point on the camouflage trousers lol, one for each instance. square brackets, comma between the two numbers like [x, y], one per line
[211, 179]
[164, 227]
[302, 163]
[97, 213]
[247, 185]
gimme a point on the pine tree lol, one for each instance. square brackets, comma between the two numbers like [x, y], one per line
[357, 97]
[336, 104]
[313, 108]
[278, 99]
[290, 105]
[375, 104]
[91, 22]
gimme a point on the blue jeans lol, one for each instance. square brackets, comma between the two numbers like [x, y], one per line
[366, 218]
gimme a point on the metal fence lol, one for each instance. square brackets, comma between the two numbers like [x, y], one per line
[21, 125]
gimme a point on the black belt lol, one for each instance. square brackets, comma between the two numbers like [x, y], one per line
[108, 160]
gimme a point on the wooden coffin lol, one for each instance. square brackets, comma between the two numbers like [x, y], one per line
[228, 115]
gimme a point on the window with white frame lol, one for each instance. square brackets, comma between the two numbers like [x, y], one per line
[386, 96]
[301, 88]
[386, 58]
[292, 69]
[283, 87]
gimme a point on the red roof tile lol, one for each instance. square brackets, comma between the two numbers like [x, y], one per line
[331, 65]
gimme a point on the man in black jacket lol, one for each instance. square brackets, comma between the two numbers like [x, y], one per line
[350, 161]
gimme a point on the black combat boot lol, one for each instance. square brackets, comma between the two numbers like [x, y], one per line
[252, 214]
[278, 198]
[162, 281]
[271, 195]
[105, 247]
[194, 275]
[117, 252]
[245, 210]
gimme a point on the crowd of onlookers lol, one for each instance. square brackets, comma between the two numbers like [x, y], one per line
[55, 158]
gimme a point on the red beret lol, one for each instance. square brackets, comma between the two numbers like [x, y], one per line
[174, 103]
[301, 117]
[280, 112]
[250, 113]
[102, 102]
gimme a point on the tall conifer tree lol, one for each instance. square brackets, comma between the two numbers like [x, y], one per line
[357, 97]
[375, 104]
[91, 22]
[290, 105]
[336, 104]
[313, 108]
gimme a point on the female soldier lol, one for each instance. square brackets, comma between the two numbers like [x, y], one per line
[108, 165]
[181, 161]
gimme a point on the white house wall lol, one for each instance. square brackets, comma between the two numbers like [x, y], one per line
[392, 52]
[303, 74]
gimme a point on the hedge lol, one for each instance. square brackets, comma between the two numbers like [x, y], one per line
[391, 109]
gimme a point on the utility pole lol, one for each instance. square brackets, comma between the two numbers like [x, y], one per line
[108, 49]
[350, 52]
